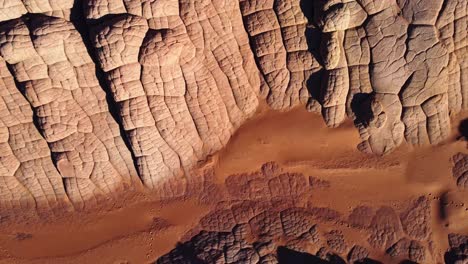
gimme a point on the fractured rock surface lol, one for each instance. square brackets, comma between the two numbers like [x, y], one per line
[99, 95]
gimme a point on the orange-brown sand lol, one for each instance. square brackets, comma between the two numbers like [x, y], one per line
[143, 229]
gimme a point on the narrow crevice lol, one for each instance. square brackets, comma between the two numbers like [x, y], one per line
[286, 256]
[80, 23]
[79, 18]
[26, 19]
[257, 63]
[361, 106]
[405, 87]
[400, 97]
[35, 118]
[442, 10]
[313, 37]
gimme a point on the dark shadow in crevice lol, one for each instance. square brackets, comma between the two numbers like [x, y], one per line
[287, 256]
[183, 253]
[463, 129]
[314, 84]
[452, 256]
[335, 8]
[408, 262]
[79, 21]
[35, 118]
[107, 18]
[26, 19]
[361, 107]
[313, 36]
[313, 33]
[54, 156]
[368, 261]
[22, 89]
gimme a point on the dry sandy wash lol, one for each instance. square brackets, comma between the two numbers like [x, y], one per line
[189, 131]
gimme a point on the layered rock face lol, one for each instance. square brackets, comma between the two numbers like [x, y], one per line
[102, 94]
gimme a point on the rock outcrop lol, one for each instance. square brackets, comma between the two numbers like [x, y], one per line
[286, 227]
[98, 95]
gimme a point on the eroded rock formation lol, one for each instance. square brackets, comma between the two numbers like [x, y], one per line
[98, 95]
[281, 225]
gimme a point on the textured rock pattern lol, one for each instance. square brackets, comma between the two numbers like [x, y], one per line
[69, 105]
[287, 228]
[458, 252]
[460, 170]
[29, 178]
[101, 94]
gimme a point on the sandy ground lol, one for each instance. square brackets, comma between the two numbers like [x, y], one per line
[143, 229]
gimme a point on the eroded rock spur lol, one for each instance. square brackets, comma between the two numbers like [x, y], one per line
[143, 90]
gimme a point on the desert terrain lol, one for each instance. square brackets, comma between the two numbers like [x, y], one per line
[233, 131]
[279, 164]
